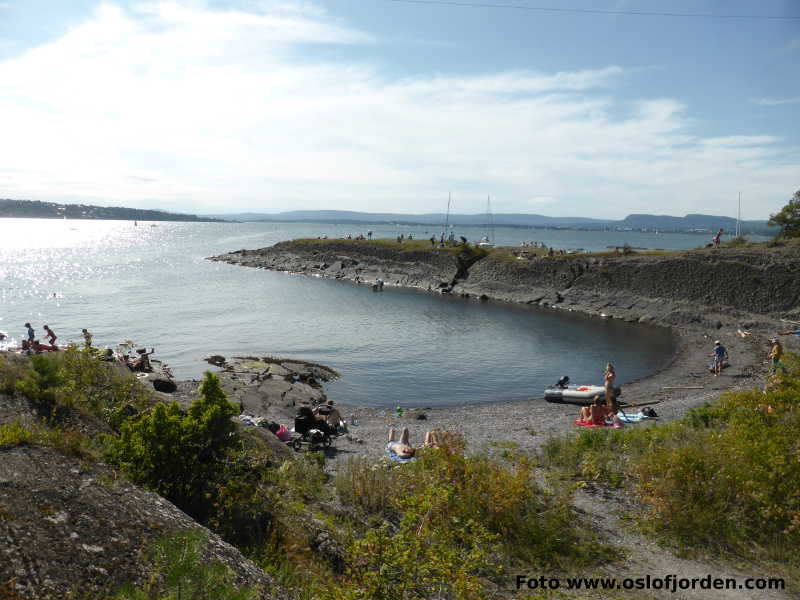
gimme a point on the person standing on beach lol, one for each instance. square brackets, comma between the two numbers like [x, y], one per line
[775, 354]
[87, 338]
[715, 240]
[31, 333]
[608, 382]
[720, 355]
[51, 337]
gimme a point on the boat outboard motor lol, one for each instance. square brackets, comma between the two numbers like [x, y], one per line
[563, 383]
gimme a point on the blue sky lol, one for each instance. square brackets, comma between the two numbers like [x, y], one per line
[377, 105]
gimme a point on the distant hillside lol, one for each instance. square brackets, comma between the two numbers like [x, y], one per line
[51, 210]
[636, 221]
[346, 216]
[709, 222]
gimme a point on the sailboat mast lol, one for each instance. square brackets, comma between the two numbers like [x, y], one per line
[447, 216]
[739, 216]
[491, 218]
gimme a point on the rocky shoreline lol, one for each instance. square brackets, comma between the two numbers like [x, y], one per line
[699, 296]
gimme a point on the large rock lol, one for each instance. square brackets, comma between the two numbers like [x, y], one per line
[68, 524]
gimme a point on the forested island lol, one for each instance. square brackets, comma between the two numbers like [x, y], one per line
[35, 209]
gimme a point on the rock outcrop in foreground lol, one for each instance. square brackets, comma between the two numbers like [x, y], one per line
[669, 288]
[73, 526]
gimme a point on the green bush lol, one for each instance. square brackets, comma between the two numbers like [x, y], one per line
[458, 519]
[41, 381]
[177, 455]
[13, 368]
[72, 379]
[197, 460]
[735, 485]
[66, 441]
[15, 434]
[182, 574]
[367, 485]
[430, 555]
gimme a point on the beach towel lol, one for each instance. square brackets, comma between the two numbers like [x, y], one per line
[625, 418]
[392, 456]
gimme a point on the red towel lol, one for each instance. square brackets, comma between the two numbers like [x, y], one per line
[580, 423]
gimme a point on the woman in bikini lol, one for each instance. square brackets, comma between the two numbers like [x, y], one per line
[608, 382]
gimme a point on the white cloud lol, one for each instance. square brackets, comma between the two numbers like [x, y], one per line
[220, 110]
[775, 101]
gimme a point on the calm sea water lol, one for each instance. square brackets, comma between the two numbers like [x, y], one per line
[152, 285]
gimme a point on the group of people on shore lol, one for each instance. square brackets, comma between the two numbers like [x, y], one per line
[720, 354]
[31, 345]
[606, 408]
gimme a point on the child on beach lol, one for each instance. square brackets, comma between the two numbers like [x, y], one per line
[775, 354]
[720, 355]
[51, 337]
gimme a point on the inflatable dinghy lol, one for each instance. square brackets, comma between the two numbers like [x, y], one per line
[577, 394]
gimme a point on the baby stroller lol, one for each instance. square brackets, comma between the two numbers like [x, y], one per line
[309, 432]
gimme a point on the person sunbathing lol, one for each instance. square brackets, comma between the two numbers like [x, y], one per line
[595, 413]
[434, 439]
[401, 448]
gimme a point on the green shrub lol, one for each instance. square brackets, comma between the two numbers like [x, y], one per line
[66, 441]
[13, 368]
[177, 455]
[366, 485]
[14, 434]
[72, 379]
[182, 574]
[735, 485]
[459, 518]
[41, 382]
[430, 555]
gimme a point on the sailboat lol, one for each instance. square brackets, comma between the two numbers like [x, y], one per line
[445, 236]
[487, 241]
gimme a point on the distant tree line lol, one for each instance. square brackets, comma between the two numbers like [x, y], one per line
[52, 210]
